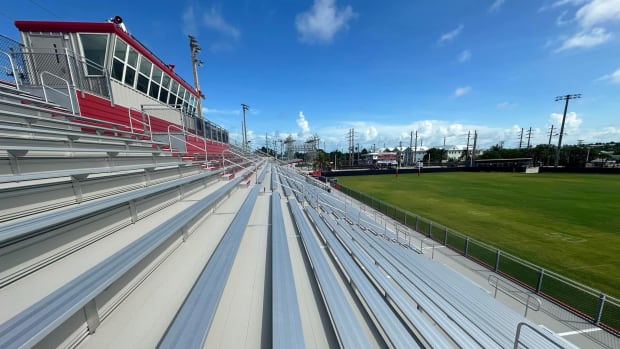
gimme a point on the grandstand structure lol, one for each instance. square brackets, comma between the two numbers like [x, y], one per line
[111, 237]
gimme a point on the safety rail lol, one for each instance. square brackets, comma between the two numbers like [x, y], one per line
[145, 125]
[184, 140]
[546, 336]
[68, 94]
[13, 70]
[494, 281]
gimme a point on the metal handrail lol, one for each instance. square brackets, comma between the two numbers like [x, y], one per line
[507, 292]
[543, 334]
[68, 94]
[185, 133]
[14, 71]
[144, 124]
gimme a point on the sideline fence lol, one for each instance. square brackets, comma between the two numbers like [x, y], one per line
[581, 301]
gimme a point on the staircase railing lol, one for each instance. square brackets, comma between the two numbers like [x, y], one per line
[547, 336]
[141, 121]
[13, 69]
[184, 140]
[495, 281]
[45, 87]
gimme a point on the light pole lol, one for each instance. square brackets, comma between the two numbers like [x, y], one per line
[562, 98]
[245, 136]
[194, 49]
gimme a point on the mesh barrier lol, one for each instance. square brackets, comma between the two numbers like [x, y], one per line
[11, 64]
[525, 274]
[482, 254]
[581, 302]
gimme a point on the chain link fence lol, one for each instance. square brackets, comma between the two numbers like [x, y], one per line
[24, 68]
[582, 302]
[11, 62]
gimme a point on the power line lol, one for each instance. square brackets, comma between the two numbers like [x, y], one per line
[45, 9]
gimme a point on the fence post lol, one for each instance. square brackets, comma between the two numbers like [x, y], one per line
[430, 229]
[416, 222]
[445, 238]
[599, 312]
[499, 253]
[466, 250]
[540, 280]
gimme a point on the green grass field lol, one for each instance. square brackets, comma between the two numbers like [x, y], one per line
[567, 223]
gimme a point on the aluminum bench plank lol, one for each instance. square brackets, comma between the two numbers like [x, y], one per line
[287, 331]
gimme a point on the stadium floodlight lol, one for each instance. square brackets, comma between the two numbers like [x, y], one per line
[557, 99]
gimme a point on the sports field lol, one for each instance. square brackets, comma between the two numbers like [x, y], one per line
[567, 223]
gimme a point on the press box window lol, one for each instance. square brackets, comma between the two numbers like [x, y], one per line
[94, 48]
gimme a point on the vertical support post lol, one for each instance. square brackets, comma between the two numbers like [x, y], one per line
[599, 311]
[445, 238]
[430, 229]
[540, 280]
[92, 316]
[133, 211]
[499, 253]
[417, 218]
[466, 250]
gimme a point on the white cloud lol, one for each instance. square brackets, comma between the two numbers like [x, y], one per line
[464, 56]
[303, 123]
[213, 19]
[461, 91]
[208, 110]
[506, 105]
[561, 3]
[496, 5]
[451, 35]
[189, 21]
[322, 21]
[586, 39]
[571, 125]
[598, 12]
[370, 133]
[613, 77]
[432, 132]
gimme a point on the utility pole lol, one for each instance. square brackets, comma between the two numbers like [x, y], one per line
[473, 153]
[521, 138]
[563, 98]
[245, 135]
[410, 147]
[529, 137]
[195, 49]
[415, 149]
[467, 148]
[550, 135]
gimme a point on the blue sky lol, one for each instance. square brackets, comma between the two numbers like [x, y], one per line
[383, 68]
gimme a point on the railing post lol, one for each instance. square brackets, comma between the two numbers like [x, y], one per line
[417, 218]
[445, 238]
[540, 280]
[430, 229]
[466, 250]
[499, 253]
[599, 311]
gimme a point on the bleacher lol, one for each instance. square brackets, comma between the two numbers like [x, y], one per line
[108, 239]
